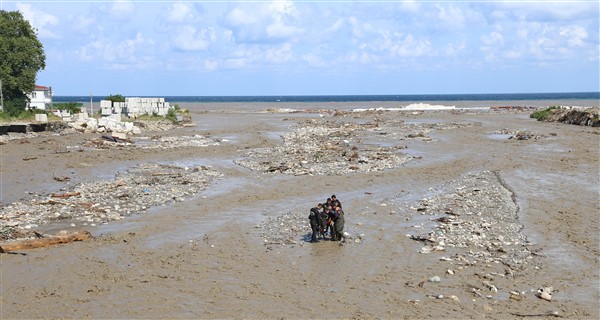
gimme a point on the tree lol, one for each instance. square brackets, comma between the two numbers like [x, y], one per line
[21, 57]
[115, 98]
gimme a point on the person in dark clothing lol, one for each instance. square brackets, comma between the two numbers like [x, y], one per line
[323, 222]
[333, 217]
[328, 203]
[338, 226]
[314, 218]
[335, 202]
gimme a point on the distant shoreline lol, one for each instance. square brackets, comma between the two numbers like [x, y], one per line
[594, 96]
[248, 103]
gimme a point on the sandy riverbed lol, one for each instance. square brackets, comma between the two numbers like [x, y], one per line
[207, 256]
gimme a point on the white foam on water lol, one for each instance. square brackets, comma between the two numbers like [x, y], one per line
[427, 106]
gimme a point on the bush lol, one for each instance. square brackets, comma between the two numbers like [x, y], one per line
[73, 107]
[172, 115]
[542, 115]
[23, 115]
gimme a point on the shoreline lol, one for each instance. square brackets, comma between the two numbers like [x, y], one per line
[254, 106]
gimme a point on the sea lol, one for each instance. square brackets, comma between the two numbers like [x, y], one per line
[582, 99]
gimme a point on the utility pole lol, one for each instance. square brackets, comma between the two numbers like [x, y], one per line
[1, 97]
[91, 105]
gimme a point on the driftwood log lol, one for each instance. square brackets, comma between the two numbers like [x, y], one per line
[65, 195]
[45, 242]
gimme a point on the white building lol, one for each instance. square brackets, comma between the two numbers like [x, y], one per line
[40, 98]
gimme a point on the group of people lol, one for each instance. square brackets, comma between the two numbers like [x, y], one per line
[327, 217]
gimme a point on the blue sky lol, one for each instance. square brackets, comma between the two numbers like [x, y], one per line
[160, 48]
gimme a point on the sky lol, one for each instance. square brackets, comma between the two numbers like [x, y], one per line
[285, 47]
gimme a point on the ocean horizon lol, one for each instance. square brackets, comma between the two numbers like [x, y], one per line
[359, 98]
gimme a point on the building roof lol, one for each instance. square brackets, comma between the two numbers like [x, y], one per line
[41, 88]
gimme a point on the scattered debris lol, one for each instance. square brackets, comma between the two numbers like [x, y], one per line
[45, 241]
[131, 192]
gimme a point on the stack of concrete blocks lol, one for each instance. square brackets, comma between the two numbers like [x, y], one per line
[140, 106]
[134, 107]
[118, 108]
[106, 106]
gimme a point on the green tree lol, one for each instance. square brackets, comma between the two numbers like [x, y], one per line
[115, 98]
[21, 57]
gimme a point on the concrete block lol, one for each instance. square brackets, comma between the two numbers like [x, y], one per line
[40, 117]
[105, 104]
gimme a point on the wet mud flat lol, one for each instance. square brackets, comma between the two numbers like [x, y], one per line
[443, 208]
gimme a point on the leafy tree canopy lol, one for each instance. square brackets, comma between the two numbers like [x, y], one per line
[115, 98]
[21, 57]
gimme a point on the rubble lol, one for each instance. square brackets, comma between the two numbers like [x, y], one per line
[131, 192]
[154, 142]
[325, 147]
[519, 134]
[483, 221]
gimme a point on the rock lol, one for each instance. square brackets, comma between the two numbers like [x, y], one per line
[425, 250]
[545, 293]
[516, 296]
[450, 272]
[434, 279]
[454, 298]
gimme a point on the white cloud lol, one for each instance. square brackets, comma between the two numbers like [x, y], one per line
[188, 38]
[575, 35]
[451, 16]
[181, 12]
[40, 20]
[398, 45]
[122, 10]
[119, 53]
[280, 54]
[546, 11]
[275, 21]
[455, 49]
[495, 39]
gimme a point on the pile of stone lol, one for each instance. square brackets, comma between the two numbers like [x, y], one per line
[154, 142]
[519, 134]
[131, 192]
[324, 147]
[105, 124]
[473, 226]
[400, 130]
[480, 215]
